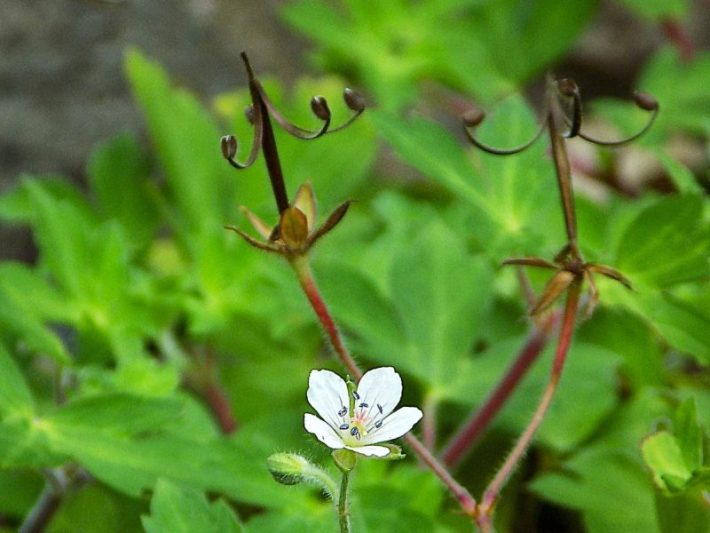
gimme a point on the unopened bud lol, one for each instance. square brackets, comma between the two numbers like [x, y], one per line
[287, 468]
[319, 106]
[473, 117]
[645, 101]
[228, 143]
[354, 100]
[249, 113]
[567, 87]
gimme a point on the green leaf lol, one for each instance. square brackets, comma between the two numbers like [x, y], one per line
[662, 453]
[441, 293]
[682, 513]
[15, 395]
[187, 143]
[121, 413]
[661, 9]
[666, 243]
[17, 205]
[608, 488]
[175, 509]
[20, 325]
[681, 324]
[682, 176]
[689, 434]
[369, 316]
[513, 210]
[630, 336]
[118, 174]
[24, 443]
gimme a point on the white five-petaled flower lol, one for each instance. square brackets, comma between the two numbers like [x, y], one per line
[358, 424]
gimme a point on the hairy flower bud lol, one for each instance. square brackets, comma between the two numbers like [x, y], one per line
[288, 468]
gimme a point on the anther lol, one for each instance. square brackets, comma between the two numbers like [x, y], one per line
[356, 395]
[363, 405]
[343, 411]
[355, 432]
[343, 427]
[378, 424]
[379, 408]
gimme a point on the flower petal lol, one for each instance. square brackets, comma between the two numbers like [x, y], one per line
[394, 426]
[327, 394]
[380, 387]
[305, 201]
[322, 431]
[259, 225]
[377, 451]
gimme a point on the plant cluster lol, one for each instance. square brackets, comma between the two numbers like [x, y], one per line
[159, 371]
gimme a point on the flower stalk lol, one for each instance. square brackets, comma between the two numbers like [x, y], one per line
[460, 493]
[471, 430]
[308, 283]
[343, 507]
[490, 496]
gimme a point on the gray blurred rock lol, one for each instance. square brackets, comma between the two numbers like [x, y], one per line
[62, 88]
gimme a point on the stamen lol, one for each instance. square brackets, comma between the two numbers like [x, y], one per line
[379, 408]
[355, 432]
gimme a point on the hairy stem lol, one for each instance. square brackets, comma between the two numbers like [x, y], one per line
[305, 278]
[343, 511]
[473, 428]
[308, 284]
[490, 496]
[429, 422]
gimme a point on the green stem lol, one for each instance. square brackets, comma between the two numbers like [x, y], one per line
[490, 496]
[343, 511]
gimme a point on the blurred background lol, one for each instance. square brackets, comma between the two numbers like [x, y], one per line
[62, 88]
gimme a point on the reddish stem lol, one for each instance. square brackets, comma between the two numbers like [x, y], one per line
[474, 427]
[675, 33]
[490, 496]
[305, 278]
[219, 404]
[308, 284]
[429, 422]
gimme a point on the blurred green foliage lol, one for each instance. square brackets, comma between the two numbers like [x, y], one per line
[140, 301]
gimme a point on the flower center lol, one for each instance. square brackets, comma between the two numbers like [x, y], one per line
[364, 420]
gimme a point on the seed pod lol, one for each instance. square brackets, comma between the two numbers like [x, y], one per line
[249, 113]
[567, 87]
[354, 100]
[228, 143]
[473, 117]
[319, 106]
[645, 101]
